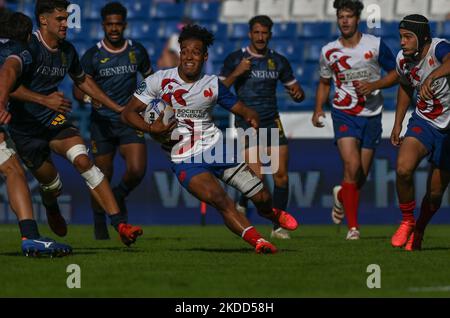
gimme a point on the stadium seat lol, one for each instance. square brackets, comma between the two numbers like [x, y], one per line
[314, 30]
[406, 7]
[306, 73]
[154, 49]
[436, 11]
[237, 10]
[166, 28]
[312, 50]
[92, 9]
[284, 31]
[238, 31]
[137, 9]
[96, 32]
[445, 33]
[170, 10]
[203, 11]
[278, 10]
[288, 49]
[385, 7]
[82, 47]
[307, 10]
[219, 51]
[139, 29]
[219, 30]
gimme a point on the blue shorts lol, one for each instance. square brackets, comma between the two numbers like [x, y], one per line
[106, 136]
[185, 171]
[366, 129]
[436, 141]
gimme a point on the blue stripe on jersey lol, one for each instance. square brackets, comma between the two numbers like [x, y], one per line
[442, 49]
[385, 58]
[226, 99]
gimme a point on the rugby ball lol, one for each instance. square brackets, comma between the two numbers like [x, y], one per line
[155, 108]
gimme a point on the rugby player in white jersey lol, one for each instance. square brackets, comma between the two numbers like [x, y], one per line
[354, 62]
[424, 66]
[193, 95]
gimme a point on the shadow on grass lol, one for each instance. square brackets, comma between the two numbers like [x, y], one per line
[226, 250]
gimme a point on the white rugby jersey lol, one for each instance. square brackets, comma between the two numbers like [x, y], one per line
[193, 104]
[361, 63]
[435, 111]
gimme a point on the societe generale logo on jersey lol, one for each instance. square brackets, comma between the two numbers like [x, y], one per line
[208, 93]
[368, 55]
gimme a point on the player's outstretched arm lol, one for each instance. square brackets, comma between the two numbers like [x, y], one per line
[366, 88]
[426, 90]
[84, 98]
[55, 101]
[322, 94]
[90, 87]
[131, 116]
[404, 98]
[250, 116]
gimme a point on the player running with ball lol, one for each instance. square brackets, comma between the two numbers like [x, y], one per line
[193, 96]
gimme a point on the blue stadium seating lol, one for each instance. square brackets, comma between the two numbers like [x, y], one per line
[219, 51]
[170, 10]
[315, 30]
[203, 11]
[137, 9]
[284, 30]
[142, 29]
[312, 50]
[446, 30]
[167, 28]
[219, 30]
[288, 49]
[238, 31]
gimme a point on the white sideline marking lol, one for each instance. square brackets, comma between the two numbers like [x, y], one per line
[430, 289]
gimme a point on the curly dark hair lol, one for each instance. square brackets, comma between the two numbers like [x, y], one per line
[355, 6]
[114, 8]
[16, 26]
[194, 31]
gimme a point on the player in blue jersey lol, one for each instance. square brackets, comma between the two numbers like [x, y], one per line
[255, 71]
[193, 95]
[15, 60]
[114, 64]
[38, 130]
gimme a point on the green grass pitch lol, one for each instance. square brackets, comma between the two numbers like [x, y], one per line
[195, 261]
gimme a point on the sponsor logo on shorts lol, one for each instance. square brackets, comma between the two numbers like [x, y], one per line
[343, 128]
[59, 120]
[182, 176]
[418, 130]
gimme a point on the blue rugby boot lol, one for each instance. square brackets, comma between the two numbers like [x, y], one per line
[44, 247]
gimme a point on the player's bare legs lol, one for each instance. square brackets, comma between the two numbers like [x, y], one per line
[74, 150]
[18, 193]
[207, 188]
[50, 189]
[348, 195]
[102, 192]
[105, 164]
[410, 154]
[135, 156]
[437, 183]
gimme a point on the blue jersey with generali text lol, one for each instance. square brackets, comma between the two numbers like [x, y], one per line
[257, 88]
[48, 70]
[18, 51]
[115, 71]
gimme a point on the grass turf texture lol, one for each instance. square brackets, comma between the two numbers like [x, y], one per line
[194, 261]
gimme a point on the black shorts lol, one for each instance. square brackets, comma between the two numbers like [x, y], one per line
[34, 149]
[268, 124]
[106, 136]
